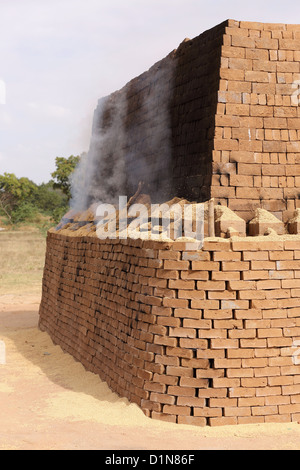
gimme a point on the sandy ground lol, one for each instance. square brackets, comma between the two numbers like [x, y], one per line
[48, 401]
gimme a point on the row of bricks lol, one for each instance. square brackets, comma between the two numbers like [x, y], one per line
[261, 82]
[258, 146]
[241, 180]
[282, 40]
[247, 245]
[243, 49]
[266, 135]
[281, 122]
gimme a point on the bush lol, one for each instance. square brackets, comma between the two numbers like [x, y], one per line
[25, 212]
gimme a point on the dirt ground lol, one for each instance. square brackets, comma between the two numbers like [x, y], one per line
[49, 401]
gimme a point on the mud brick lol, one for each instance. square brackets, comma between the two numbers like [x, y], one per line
[169, 255]
[191, 401]
[162, 311]
[221, 343]
[195, 275]
[253, 343]
[192, 421]
[163, 417]
[222, 314]
[215, 246]
[225, 295]
[179, 391]
[175, 303]
[177, 410]
[176, 265]
[241, 285]
[211, 285]
[226, 383]
[256, 362]
[165, 341]
[241, 392]
[223, 421]
[188, 313]
[225, 276]
[255, 275]
[289, 44]
[233, 373]
[252, 294]
[208, 412]
[228, 256]
[261, 245]
[269, 284]
[235, 266]
[182, 284]
[199, 324]
[182, 332]
[247, 333]
[235, 304]
[205, 266]
[240, 353]
[281, 255]
[166, 274]
[193, 343]
[179, 352]
[191, 294]
[238, 411]
[205, 304]
[196, 256]
[264, 410]
[162, 398]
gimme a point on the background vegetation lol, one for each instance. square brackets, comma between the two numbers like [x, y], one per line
[24, 204]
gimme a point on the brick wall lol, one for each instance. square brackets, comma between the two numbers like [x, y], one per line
[219, 117]
[197, 337]
[256, 147]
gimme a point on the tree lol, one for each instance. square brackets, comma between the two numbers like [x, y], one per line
[61, 176]
[13, 192]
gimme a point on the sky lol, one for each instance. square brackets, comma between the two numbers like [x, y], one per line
[58, 57]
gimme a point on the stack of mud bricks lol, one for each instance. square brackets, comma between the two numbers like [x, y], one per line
[256, 157]
[204, 337]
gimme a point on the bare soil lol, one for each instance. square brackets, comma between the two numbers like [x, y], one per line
[49, 402]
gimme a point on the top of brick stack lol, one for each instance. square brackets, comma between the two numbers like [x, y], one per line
[262, 26]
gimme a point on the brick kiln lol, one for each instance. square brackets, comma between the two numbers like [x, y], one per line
[204, 336]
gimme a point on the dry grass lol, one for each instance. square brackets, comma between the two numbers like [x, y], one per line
[22, 256]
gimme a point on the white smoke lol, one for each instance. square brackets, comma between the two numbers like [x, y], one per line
[131, 140]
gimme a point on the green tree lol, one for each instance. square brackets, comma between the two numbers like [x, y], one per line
[13, 192]
[61, 176]
[47, 199]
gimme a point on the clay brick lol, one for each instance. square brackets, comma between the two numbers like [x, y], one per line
[269, 284]
[218, 343]
[264, 410]
[223, 421]
[241, 285]
[192, 420]
[235, 266]
[211, 285]
[182, 332]
[235, 304]
[255, 76]
[174, 265]
[181, 284]
[205, 266]
[193, 343]
[177, 410]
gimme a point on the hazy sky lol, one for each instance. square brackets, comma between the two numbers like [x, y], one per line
[58, 57]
